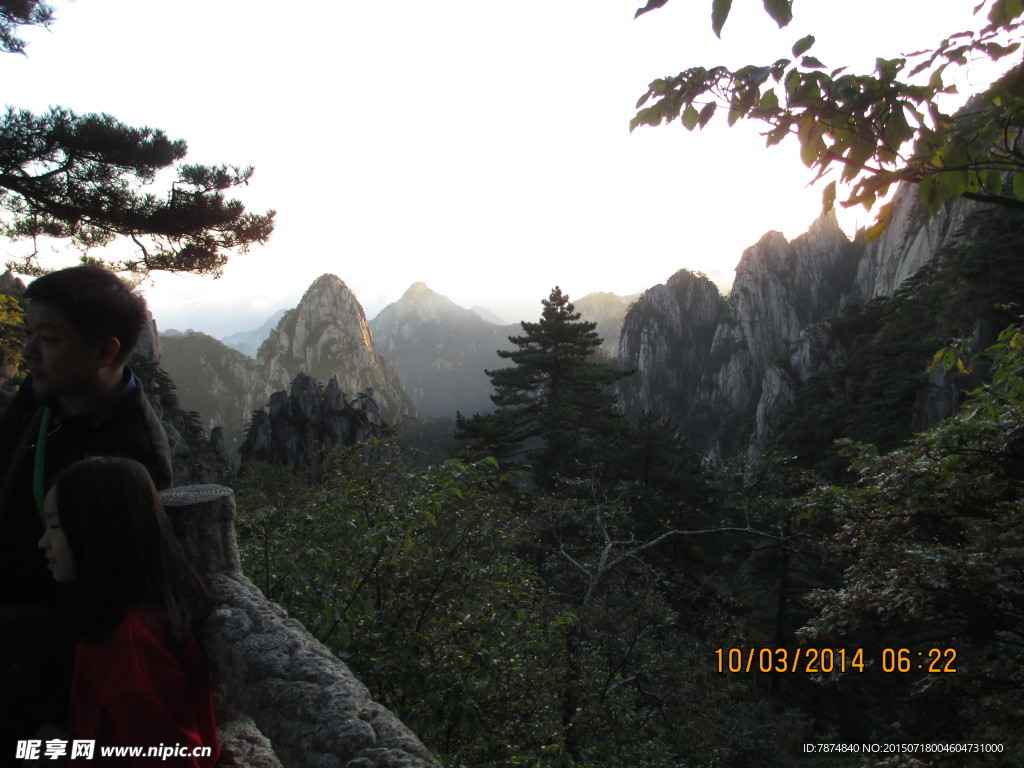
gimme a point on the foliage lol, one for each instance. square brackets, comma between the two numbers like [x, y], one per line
[197, 461]
[12, 337]
[641, 628]
[82, 177]
[554, 406]
[443, 590]
[11, 333]
[935, 534]
[410, 576]
[16, 13]
[872, 130]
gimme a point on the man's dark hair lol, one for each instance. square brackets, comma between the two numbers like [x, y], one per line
[96, 301]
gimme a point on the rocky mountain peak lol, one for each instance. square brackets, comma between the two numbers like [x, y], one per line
[326, 336]
[327, 327]
[776, 311]
[420, 304]
[416, 289]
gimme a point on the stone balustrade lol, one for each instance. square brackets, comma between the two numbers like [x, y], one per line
[283, 699]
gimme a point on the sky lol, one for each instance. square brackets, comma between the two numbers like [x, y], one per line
[481, 147]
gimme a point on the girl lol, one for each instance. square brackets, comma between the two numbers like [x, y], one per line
[140, 678]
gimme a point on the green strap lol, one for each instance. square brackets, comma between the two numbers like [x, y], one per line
[39, 476]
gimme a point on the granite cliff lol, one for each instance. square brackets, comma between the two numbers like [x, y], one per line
[325, 336]
[725, 368]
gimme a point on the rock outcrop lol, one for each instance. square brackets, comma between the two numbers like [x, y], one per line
[326, 336]
[298, 428]
[770, 335]
[667, 338]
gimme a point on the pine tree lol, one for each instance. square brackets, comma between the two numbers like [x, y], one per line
[87, 178]
[555, 409]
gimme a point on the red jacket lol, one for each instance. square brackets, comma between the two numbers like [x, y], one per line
[138, 689]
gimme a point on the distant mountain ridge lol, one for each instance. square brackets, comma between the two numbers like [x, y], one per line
[722, 367]
[248, 342]
[441, 350]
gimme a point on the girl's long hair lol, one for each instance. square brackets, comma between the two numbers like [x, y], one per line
[124, 549]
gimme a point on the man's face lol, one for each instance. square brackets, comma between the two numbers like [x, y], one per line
[64, 364]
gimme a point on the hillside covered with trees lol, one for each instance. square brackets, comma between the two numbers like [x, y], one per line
[587, 591]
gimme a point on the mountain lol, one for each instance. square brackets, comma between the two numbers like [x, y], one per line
[725, 369]
[440, 351]
[248, 342]
[607, 310]
[487, 315]
[326, 335]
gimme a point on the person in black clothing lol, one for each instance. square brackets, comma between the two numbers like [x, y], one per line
[80, 399]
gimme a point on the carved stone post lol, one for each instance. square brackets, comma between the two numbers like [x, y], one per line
[203, 517]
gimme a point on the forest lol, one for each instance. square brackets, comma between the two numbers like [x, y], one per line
[564, 587]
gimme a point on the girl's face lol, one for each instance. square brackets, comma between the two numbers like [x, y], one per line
[54, 543]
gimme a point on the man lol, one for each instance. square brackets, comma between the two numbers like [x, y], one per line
[79, 399]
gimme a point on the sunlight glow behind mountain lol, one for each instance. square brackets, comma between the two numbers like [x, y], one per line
[482, 148]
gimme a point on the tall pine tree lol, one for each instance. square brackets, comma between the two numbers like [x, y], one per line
[555, 407]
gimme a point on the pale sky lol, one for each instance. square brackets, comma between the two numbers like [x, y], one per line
[480, 147]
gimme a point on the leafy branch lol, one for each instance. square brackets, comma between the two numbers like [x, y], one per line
[872, 130]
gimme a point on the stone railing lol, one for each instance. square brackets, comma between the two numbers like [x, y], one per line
[276, 681]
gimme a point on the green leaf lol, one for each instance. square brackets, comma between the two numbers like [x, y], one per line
[809, 154]
[992, 181]
[949, 359]
[719, 13]
[881, 223]
[706, 113]
[951, 184]
[780, 10]
[811, 63]
[803, 45]
[1005, 11]
[690, 117]
[344, 635]
[769, 101]
[1018, 185]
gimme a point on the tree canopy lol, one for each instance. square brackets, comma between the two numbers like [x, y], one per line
[85, 178]
[17, 13]
[554, 401]
[871, 130]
